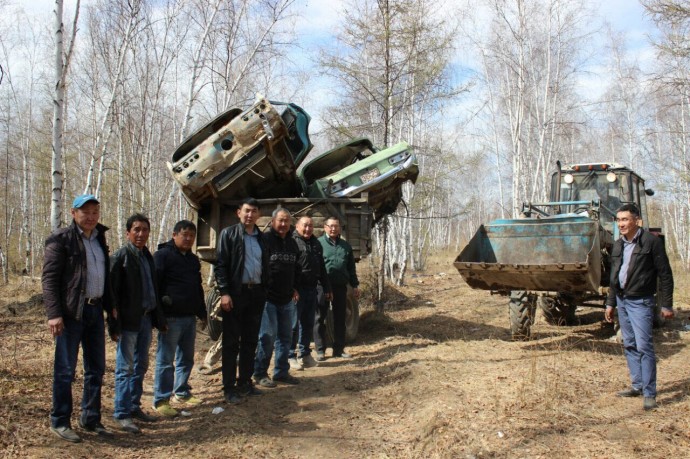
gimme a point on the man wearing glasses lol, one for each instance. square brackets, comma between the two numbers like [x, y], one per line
[340, 267]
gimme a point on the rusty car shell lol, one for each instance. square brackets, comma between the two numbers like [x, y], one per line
[253, 152]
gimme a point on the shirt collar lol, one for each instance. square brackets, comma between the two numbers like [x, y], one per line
[94, 233]
[635, 238]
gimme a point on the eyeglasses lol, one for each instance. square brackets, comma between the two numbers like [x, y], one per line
[332, 226]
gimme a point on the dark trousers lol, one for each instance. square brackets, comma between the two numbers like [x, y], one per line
[90, 333]
[339, 305]
[303, 332]
[241, 335]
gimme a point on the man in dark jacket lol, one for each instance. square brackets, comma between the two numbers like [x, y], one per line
[179, 283]
[281, 294]
[241, 270]
[340, 266]
[76, 291]
[639, 269]
[135, 297]
[313, 272]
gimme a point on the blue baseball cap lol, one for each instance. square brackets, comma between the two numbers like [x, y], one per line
[83, 199]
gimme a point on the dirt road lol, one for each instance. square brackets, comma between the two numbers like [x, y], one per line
[437, 376]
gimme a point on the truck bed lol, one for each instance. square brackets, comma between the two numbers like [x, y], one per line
[355, 216]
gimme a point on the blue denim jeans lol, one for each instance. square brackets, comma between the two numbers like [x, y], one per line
[303, 331]
[176, 344]
[277, 323]
[636, 318]
[90, 333]
[131, 364]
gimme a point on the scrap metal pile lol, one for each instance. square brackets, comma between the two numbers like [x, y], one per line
[256, 152]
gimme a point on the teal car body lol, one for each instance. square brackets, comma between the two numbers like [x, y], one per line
[357, 167]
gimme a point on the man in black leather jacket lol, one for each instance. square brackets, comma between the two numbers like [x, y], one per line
[639, 270]
[240, 271]
[135, 295]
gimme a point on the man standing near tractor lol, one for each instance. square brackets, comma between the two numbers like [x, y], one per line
[639, 269]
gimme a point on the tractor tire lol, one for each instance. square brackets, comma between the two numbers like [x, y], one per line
[351, 319]
[557, 311]
[521, 309]
[215, 325]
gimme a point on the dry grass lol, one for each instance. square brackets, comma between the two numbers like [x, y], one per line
[436, 376]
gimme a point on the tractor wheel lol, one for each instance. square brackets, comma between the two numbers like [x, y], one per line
[557, 311]
[521, 308]
[215, 325]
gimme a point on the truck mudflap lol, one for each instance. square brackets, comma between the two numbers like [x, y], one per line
[556, 253]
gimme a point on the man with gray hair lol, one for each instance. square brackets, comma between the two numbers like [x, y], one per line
[281, 295]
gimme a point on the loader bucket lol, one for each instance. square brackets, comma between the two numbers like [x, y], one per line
[557, 253]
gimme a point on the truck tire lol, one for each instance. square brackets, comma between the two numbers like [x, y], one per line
[557, 311]
[351, 319]
[215, 325]
[521, 310]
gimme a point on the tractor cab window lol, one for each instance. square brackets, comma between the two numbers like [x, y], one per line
[606, 189]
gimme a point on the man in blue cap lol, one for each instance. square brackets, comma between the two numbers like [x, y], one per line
[76, 291]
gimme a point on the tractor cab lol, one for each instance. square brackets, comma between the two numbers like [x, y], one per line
[606, 186]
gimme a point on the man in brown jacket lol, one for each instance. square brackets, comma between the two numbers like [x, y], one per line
[76, 291]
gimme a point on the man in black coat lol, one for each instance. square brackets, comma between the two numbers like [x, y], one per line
[178, 271]
[240, 271]
[639, 270]
[135, 294]
[313, 272]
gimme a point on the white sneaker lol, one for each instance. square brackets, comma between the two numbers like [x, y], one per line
[308, 361]
[295, 365]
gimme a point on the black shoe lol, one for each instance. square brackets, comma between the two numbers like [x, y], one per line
[650, 403]
[287, 379]
[141, 416]
[244, 390]
[96, 428]
[630, 393]
[232, 398]
[320, 356]
[66, 433]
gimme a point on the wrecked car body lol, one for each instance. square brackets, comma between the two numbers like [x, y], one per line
[358, 166]
[252, 152]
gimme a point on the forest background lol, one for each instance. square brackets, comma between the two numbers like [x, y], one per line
[490, 93]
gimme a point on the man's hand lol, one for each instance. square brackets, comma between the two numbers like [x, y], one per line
[328, 296]
[608, 315]
[356, 291]
[667, 313]
[226, 303]
[114, 313]
[295, 296]
[56, 326]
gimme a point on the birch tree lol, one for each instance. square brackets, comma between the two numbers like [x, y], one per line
[391, 67]
[61, 64]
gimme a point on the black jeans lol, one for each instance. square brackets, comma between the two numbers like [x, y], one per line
[241, 335]
[339, 306]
